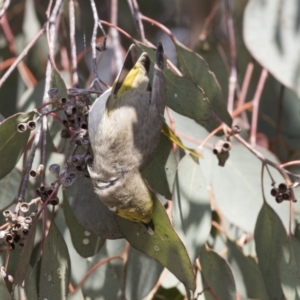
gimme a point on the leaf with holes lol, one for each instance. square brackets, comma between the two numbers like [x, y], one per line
[163, 245]
[55, 267]
[90, 212]
[86, 244]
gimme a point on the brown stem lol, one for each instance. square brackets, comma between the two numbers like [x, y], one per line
[255, 101]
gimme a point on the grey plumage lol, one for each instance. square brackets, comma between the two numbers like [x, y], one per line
[124, 129]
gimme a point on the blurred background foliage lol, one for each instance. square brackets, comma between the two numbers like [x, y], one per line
[239, 214]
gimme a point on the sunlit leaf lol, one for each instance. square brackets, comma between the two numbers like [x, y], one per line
[237, 186]
[55, 266]
[86, 244]
[191, 206]
[270, 235]
[271, 34]
[12, 142]
[90, 212]
[289, 268]
[217, 275]
[163, 245]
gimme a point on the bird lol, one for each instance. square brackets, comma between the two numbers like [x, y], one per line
[124, 129]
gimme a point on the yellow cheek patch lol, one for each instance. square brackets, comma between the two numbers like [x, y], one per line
[129, 81]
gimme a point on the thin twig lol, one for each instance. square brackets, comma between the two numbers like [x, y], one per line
[244, 90]
[125, 260]
[256, 100]
[136, 14]
[21, 56]
[4, 7]
[95, 267]
[51, 33]
[94, 37]
[290, 163]
[114, 36]
[73, 44]
[208, 20]
[265, 160]
[232, 49]
[279, 113]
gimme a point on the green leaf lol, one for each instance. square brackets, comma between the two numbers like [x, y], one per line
[142, 273]
[25, 256]
[4, 293]
[245, 267]
[217, 274]
[31, 281]
[161, 171]
[54, 126]
[57, 82]
[191, 206]
[90, 212]
[9, 186]
[86, 244]
[163, 245]
[55, 266]
[237, 186]
[195, 67]
[289, 268]
[270, 235]
[186, 98]
[12, 142]
[271, 34]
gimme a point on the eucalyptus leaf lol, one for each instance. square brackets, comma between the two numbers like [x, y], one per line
[271, 34]
[54, 126]
[237, 186]
[55, 267]
[195, 67]
[86, 244]
[12, 142]
[163, 244]
[289, 268]
[142, 273]
[9, 186]
[270, 235]
[90, 212]
[191, 206]
[31, 281]
[58, 83]
[4, 293]
[217, 275]
[160, 173]
[244, 267]
[185, 97]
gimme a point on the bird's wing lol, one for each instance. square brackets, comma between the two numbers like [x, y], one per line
[96, 113]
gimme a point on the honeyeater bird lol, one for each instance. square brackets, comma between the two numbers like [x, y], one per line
[124, 129]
